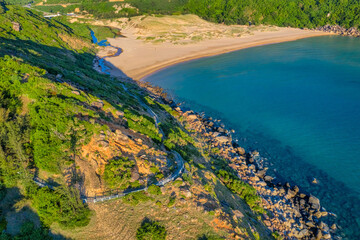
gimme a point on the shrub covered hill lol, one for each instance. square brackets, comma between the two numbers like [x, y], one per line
[293, 13]
[69, 135]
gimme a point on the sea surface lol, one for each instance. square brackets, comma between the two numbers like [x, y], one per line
[297, 103]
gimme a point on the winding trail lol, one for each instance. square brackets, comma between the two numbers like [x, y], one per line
[178, 159]
[148, 109]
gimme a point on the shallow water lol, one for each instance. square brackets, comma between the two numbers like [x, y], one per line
[298, 103]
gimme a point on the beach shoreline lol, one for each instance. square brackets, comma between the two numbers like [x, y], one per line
[152, 70]
[277, 199]
[140, 59]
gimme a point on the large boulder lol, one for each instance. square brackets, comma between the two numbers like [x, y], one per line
[192, 117]
[240, 150]
[261, 173]
[98, 104]
[120, 136]
[302, 234]
[314, 202]
[223, 139]
[135, 174]
[16, 26]
[290, 194]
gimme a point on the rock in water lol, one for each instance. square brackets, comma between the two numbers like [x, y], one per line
[314, 202]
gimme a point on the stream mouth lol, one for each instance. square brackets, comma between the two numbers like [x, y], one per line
[104, 43]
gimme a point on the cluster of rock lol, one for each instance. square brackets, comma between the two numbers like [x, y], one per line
[340, 30]
[294, 215]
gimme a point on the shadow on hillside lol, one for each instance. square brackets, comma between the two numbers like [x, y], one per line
[19, 219]
[70, 67]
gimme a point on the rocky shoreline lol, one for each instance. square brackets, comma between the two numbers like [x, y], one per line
[354, 32]
[293, 214]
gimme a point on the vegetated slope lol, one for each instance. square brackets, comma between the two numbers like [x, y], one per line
[283, 13]
[294, 13]
[112, 9]
[84, 134]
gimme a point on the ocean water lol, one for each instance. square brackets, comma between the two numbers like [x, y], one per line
[297, 103]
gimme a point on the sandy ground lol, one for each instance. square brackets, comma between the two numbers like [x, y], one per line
[142, 57]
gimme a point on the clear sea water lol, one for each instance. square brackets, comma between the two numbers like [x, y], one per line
[297, 103]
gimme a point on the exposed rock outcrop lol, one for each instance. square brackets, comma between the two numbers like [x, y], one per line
[16, 26]
[340, 30]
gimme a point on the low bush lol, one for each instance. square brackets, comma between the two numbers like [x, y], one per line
[136, 198]
[171, 201]
[154, 190]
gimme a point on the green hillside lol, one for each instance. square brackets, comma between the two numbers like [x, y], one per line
[293, 13]
[41, 66]
[59, 117]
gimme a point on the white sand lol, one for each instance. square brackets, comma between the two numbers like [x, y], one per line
[140, 58]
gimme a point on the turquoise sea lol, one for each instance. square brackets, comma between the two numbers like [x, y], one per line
[297, 103]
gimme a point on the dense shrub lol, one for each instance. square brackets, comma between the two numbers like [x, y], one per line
[171, 202]
[28, 231]
[117, 173]
[244, 190]
[154, 190]
[178, 140]
[62, 205]
[294, 13]
[136, 197]
[150, 230]
[143, 124]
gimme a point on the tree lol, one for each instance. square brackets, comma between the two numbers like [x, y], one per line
[2, 7]
[117, 173]
[62, 205]
[151, 230]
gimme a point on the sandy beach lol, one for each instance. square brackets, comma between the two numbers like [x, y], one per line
[141, 58]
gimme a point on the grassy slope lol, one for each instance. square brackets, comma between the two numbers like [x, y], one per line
[46, 72]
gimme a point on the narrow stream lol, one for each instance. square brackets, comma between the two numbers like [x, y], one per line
[104, 43]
